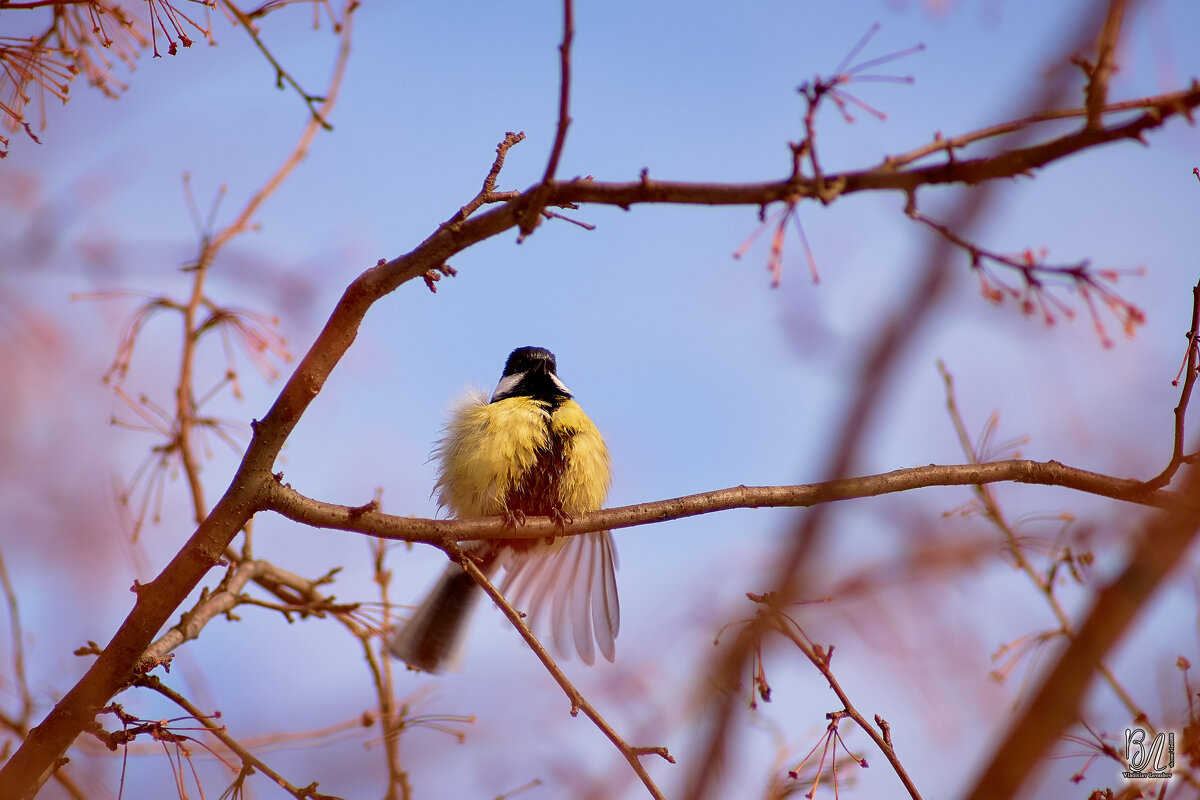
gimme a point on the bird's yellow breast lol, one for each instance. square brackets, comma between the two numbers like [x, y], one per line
[493, 453]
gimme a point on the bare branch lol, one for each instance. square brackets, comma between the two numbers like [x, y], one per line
[578, 701]
[221, 734]
[1044, 583]
[487, 193]
[1190, 371]
[282, 76]
[537, 200]
[822, 660]
[286, 501]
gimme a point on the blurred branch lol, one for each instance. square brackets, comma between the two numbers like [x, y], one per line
[25, 711]
[1045, 583]
[381, 672]
[1106, 49]
[1159, 548]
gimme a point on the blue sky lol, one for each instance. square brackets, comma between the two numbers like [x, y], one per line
[700, 375]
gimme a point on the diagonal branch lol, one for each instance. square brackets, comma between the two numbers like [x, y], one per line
[314, 102]
[578, 701]
[219, 732]
[821, 659]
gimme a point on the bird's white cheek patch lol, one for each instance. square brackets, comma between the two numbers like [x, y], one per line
[562, 387]
[506, 385]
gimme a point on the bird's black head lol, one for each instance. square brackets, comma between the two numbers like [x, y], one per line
[530, 359]
[531, 372]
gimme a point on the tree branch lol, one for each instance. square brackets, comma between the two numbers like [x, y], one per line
[821, 659]
[286, 501]
[578, 701]
[1190, 371]
[219, 732]
[532, 213]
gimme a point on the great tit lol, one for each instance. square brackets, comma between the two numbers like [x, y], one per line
[528, 451]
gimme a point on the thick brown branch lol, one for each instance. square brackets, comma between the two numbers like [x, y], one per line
[1007, 164]
[291, 504]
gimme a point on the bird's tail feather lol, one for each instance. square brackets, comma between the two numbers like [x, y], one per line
[431, 637]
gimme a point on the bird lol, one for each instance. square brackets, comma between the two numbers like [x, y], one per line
[529, 450]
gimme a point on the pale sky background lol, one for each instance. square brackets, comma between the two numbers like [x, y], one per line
[700, 375]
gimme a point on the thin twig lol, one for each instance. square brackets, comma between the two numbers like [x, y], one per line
[18, 645]
[220, 733]
[537, 200]
[994, 514]
[578, 701]
[487, 194]
[1034, 295]
[316, 103]
[1190, 370]
[822, 663]
[941, 144]
[381, 675]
